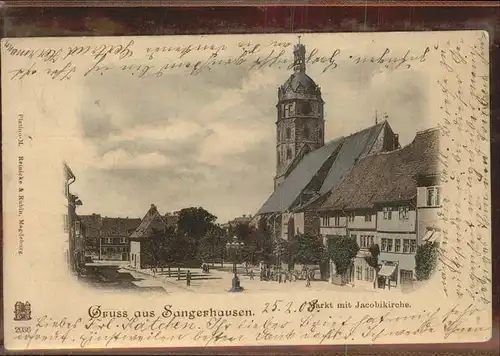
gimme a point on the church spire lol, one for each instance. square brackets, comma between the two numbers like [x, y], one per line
[299, 57]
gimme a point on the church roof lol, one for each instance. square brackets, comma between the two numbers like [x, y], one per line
[348, 151]
[300, 82]
[354, 147]
[288, 191]
[388, 176]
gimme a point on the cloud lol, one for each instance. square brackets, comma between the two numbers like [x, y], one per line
[169, 130]
[122, 159]
[209, 140]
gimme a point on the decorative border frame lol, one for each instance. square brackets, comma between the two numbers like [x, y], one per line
[107, 18]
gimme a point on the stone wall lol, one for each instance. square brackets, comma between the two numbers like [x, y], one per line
[309, 130]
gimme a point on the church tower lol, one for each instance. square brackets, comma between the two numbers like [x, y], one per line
[300, 123]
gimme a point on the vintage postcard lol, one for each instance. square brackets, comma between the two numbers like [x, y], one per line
[230, 190]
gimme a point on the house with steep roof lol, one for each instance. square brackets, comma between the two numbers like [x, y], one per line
[151, 222]
[115, 238]
[107, 238]
[377, 203]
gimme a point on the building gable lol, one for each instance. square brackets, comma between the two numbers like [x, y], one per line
[151, 221]
[354, 148]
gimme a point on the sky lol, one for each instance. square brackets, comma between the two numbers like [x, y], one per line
[209, 139]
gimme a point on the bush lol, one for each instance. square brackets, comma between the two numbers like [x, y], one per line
[342, 250]
[426, 260]
[307, 249]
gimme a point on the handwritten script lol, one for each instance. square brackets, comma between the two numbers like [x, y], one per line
[272, 324]
[465, 248]
[192, 59]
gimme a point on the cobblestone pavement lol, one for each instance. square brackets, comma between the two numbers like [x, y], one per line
[220, 282]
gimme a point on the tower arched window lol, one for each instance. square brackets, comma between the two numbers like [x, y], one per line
[288, 109]
[320, 133]
[288, 153]
[304, 108]
[288, 133]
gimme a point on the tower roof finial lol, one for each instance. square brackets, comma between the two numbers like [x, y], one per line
[299, 53]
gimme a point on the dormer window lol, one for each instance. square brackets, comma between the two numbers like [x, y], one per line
[387, 213]
[403, 212]
[433, 196]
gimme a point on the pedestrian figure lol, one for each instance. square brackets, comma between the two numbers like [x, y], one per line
[308, 280]
[251, 274]
[280, 277]
[188, 278]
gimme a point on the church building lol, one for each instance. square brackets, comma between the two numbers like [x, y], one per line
[307, 169]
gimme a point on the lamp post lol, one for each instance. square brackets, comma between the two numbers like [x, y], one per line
[235, 247]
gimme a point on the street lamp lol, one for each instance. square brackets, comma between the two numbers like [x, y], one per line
[235, 246]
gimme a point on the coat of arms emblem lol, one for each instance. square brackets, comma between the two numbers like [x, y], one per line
[22, 311]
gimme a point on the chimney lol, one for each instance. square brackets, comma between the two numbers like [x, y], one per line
[396, 141]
